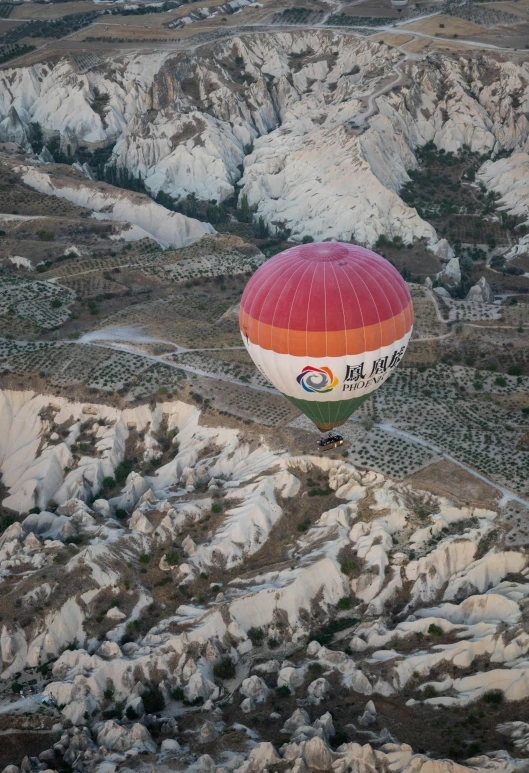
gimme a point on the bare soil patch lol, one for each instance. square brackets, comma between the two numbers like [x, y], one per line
[447, 479]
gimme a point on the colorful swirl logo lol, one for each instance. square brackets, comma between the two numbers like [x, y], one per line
[317, 379]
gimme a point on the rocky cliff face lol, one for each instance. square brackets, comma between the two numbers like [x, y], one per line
[277, 115]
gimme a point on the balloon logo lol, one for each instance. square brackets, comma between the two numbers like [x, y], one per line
[317, 379]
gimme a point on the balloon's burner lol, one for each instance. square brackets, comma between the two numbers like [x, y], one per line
[330, 440]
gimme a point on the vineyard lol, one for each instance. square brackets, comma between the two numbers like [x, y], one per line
[54, 28]
[11, 51]
[298, 16]
[6, 9]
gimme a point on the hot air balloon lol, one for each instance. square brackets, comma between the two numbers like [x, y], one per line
[327, 324]
[399, 4]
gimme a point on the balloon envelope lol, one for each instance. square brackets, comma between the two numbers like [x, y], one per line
[327, 324]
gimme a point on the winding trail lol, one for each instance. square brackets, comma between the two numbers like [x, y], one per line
[192, 43]
[506, 493]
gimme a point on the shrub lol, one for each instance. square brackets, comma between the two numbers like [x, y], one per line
[225, 669]
[131, 713]
[5, 522]
[108, 694]
[256, 636]
[325, 635]
[302, 526]
[172, 557]
[500, 381]
[164, 581]
[347, 566]
[56, 303]
[197, 702]
[315, 669]
[514, 370]
[145, 558]
[428, 692]
[320, 492]
[273, 644]
[109, 482]
[307, 240]
[435, 630]
[121, 513]
[283, 691]
[216, 508]
[339, 738]
[45, 236]
[493, 697]
[122, 471]
[178, 694]
[344, 603]
[76, 540]
[153, 700]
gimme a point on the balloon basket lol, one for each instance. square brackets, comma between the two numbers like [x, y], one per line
[329, 441]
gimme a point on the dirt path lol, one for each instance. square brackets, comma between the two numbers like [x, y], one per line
[191, 44]
[507, 494]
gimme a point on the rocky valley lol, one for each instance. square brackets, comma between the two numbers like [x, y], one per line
[188, 582]
[284, 120]
[239, 606]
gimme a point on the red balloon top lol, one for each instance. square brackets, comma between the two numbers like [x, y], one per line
[324, 287]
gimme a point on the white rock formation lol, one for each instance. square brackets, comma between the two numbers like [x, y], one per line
[117, 738]
[184, 124]
[460, 609]
[481, 292]
[510, 178]
[451, 273]
[110, 203]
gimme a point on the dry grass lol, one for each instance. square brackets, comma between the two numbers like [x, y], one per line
[416, 45]
[452, 26]
[391, 40]
[124, 31]
[53, 10]
[447, 479]
[517, 9]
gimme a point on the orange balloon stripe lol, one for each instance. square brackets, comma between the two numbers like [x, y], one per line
[334, 343]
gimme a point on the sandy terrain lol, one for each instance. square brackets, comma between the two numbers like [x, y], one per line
[452, 26]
